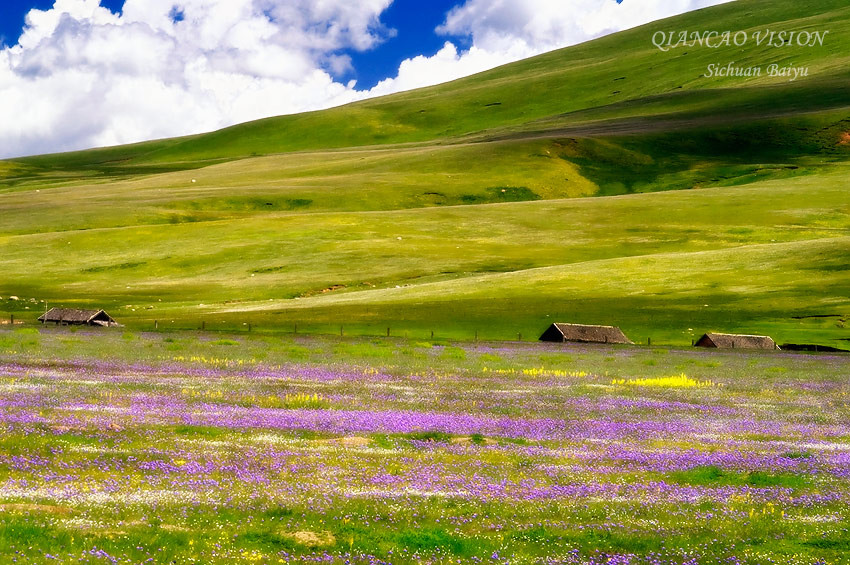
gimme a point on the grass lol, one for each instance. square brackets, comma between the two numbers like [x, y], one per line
[716, 476]
[717, 204]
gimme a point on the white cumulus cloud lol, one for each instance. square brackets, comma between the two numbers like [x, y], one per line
[82, 76]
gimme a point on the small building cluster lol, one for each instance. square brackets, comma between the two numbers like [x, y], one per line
[579, 333]
[558, 332]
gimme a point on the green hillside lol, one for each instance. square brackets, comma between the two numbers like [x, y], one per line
[718, 203]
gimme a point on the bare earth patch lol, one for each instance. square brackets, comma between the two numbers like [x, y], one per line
[350, 441]
[45, 508]
[174, 528]
[312, 539]
[845, 138]
[354, 441]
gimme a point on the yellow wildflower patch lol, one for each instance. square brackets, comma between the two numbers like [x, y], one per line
[677, 381]
[554, 373]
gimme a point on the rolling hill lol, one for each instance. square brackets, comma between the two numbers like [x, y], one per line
[610, 182]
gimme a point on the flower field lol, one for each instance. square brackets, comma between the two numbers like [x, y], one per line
[193, 449]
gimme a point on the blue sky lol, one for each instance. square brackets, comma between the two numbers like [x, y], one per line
[92, 73]
[13, 12]
[414, 24]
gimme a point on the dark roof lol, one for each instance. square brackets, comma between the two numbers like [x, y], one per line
[73, 315]
[736, 341]
[584, 334]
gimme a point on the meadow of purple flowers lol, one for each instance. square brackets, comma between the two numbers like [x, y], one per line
[187, 449]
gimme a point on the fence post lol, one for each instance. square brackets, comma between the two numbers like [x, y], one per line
[432, 334]
[12, 320]
[203, 325]
[156, 324]
[388, 332]
[519, 337]
[649, 341]
[296, 328]
[340, 331]
[249, 327]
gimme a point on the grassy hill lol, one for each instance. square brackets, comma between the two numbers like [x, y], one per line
[718, 203]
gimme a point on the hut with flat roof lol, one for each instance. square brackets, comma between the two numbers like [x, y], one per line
[75, 317]
[736, 341]
[580, 333]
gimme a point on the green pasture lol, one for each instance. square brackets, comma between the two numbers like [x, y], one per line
[750, 258]
[463, 209]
